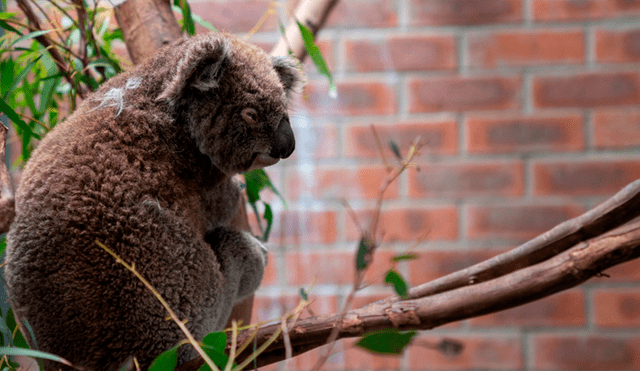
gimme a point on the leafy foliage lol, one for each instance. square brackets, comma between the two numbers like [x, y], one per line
[36, 90]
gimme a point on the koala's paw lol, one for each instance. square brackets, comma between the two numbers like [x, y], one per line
[258, 247]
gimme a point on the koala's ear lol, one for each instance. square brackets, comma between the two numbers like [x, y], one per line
[201, 67]
[290, 75]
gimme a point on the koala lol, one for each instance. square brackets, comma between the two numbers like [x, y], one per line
[145, 167]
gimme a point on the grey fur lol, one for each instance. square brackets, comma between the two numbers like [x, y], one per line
[153, 182]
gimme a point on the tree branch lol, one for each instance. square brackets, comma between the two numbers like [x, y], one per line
[311, 13]
[568, 269]
[147, 25]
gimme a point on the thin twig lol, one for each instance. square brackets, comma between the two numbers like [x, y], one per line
[379, 145]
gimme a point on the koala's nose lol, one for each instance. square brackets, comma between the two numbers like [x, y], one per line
[285, 142]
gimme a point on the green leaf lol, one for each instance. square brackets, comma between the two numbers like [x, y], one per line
[398, 258]
[13, 116]
[32, 353]
[187, 18]
[218, 357]
[7, 27]
[214, 345]
[6, 76]
[7, 15]
[166, 361]
[363, 257]
[395, 279]
[49, 86]
[203, 23]
[268, 216]
[216, 340]
[114, 35]
[395, 149]
[390, 341]
[256, 181]
[316, 57]
[18, 339]
[304, 295]
[31, 35]
[19, 78]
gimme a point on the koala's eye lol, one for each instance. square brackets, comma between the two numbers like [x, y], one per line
[250, 116]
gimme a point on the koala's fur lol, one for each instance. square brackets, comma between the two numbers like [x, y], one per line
[144, 166]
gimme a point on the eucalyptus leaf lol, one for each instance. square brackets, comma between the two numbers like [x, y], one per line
[166, 361]
[316, 57]
[398, 258]
[395, 149]
[32, 353]
[399, 284]
[17, 338]
[13, 116]
[389, 341]
[363, 256]
[31, 35]
[268, 217]
[216, 340]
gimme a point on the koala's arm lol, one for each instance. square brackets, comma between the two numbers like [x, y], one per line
[242, 260]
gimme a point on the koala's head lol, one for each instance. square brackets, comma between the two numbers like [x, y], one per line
[233, 98]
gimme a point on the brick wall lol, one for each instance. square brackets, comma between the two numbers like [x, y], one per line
[530, 111]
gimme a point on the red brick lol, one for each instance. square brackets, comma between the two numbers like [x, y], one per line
[584, 178]
[526, 48]
[234, 15]
[334, 267]
[354, 98]
[582, 10]
[518, 222]
[565, 309]
[268, 308]
[402, 53]
[586, 353]
[270, 276]
[317, 142]
[410, 224]
[364, 14]
[625, 272]
[464, 12]
[619, 308]
[490, 352]
[506, 134]
[463, 93]
[616, 129]
[307, 361]
[356, 358]
[618, 46]
[336, 183]
[587, 90]
[304, 227]
[439, 137]
[467, 180]
[431, 265]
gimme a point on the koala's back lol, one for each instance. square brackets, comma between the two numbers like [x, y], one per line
[95, 178]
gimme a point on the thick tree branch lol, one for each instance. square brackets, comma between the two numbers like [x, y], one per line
[147, 25]
[311, 13]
